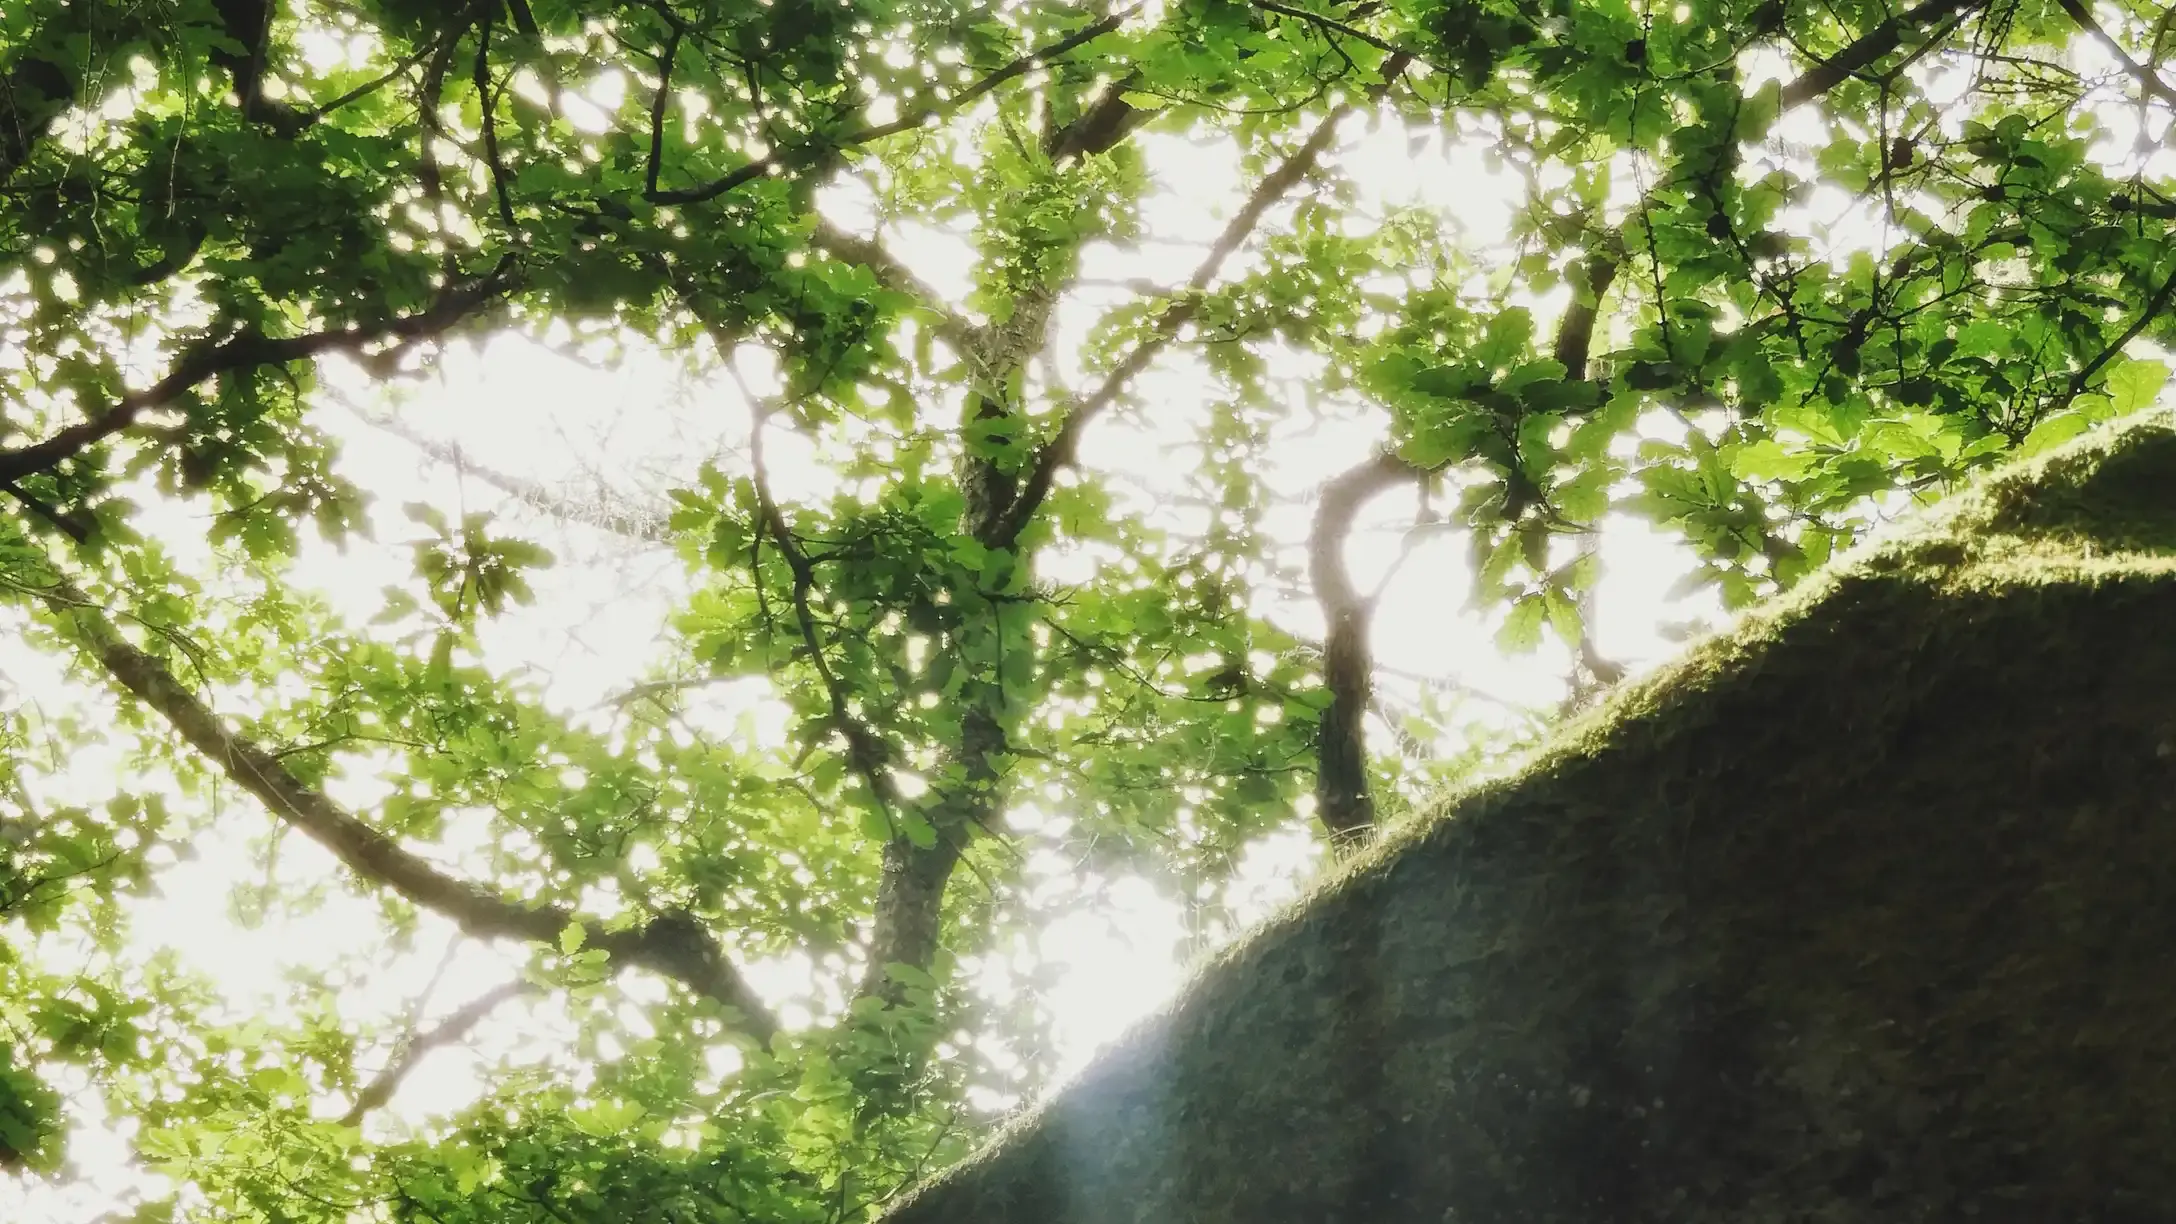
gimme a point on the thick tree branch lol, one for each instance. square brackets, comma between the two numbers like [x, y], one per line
[2143, 73]
[1099, 128]
[1871, 46]
[247, 25]
[1575, 331]
[669, 945]
[74, 524]
[907, 924]
[655, 164]
[487, 100]
[1342, 801]
[430, 95]
[1593, 672]
[799, 158]
[1064, 446]
[907, 927]
[205, 360]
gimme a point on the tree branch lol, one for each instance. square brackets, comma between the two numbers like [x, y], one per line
[247, 25]
[1099, 128]
[411, 1050]
[1342, 801]
[1593, 672]
[2144, 73]
[400, 68]
[1329, 24]
[2155, 305]
[1064, 446]
[205, 360]
[796, 158]
[865, 749]
[907, 926]
[487, 102]
[894, 275]
[664, 945]
[656, 161]
[1575, 331]
[631, 524]
[1869, 47]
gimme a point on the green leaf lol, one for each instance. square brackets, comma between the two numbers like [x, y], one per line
[2135, 384]
[1529, 373]
[572, 937]
[1585, 497]
[1500, 560]
[1766, 459]
[441, 666]
[1983, 337]
[910, 975]
[2052, 432]
[1443, 443]
[1521, 631]
[428, 515]
[1758, 113]
[1507, 337]
[1563, 616]
[398, 605]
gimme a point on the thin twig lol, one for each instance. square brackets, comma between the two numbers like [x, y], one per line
[1064, 445]
[912, 119]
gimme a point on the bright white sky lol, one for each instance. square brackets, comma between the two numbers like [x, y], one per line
[625, 434]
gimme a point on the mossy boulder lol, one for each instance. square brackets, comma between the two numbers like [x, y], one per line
[1863, 911]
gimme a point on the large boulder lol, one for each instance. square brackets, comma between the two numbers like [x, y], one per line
[1865, 911]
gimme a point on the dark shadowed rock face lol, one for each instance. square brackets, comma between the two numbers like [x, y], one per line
[1865, 912]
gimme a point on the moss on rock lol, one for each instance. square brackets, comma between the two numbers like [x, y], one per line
[1863, 911]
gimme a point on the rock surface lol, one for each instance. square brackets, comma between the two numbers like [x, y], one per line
[1864, 911]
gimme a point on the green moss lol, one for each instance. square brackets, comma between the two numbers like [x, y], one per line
[1861, 911]
[2123, 498]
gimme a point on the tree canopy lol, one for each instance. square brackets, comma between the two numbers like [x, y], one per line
[942, 282]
